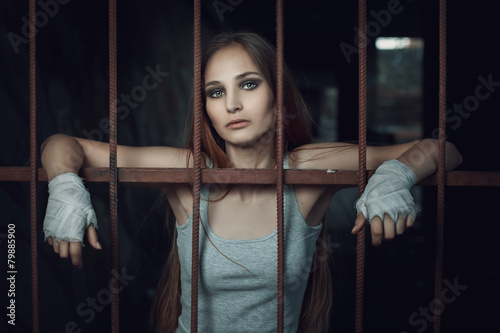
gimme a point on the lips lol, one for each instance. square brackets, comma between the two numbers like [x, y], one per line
[237, 123]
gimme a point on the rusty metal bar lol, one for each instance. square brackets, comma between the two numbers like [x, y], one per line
[249, 176]
[196, 172]
[113, 172]
[441, 168]
[279, 165]
[360, 245]
[32, 167]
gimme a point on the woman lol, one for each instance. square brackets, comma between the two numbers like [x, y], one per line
[237, 290]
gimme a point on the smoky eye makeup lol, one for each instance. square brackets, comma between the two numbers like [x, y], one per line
[212, 88]
[214, 93]
[250, 84]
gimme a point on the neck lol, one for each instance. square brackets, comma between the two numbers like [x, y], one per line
[253, 157]
[250, 157]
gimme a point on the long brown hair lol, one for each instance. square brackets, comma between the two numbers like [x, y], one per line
[316, 306]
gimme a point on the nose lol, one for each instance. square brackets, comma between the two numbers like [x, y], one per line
[233, 102]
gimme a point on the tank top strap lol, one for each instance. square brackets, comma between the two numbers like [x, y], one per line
[209, 163]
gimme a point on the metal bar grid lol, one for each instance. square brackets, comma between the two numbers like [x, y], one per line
[113, 175]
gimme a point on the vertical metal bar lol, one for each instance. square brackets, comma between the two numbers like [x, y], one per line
[197, 164]
[113, 200]
[441, 167]
[279, 161]
[360, 249]
[33, 168]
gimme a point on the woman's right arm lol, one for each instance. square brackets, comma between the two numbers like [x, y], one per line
[61, 154]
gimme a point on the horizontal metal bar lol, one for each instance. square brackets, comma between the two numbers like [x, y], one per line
[247, 176]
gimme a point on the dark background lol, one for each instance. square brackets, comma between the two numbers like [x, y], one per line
[72, 98]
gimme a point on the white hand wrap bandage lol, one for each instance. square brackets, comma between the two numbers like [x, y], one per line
[388, 192]
[69, 209]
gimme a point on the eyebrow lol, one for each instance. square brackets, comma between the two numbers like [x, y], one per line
[237, 77]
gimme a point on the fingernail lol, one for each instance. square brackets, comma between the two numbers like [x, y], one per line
[98, 245]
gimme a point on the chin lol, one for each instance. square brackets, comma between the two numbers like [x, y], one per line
[247, 140]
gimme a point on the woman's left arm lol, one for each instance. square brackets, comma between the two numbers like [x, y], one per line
[387, 202]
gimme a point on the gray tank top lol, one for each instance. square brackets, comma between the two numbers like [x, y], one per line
[234, 299]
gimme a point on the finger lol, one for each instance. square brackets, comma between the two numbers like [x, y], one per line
[409, 221]
[55, 245]
[400, 224]
[64, 249]
[389, 227]
[358, 223]
[49, 240]
[92, 237]
[377, 230]
[75, 251]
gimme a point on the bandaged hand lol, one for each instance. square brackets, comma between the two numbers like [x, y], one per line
[387, 202]
[69, 214]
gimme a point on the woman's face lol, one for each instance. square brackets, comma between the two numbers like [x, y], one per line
[239, 101]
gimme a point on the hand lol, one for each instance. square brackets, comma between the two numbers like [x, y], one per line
[387, 202]
[74, 249]
[386, 229]
[69, 215]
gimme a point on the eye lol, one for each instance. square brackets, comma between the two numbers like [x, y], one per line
[249, 85]
[216, 93]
